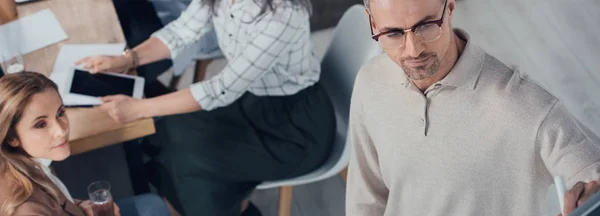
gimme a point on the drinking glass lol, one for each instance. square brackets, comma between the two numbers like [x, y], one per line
[11, 58]
[101, 198]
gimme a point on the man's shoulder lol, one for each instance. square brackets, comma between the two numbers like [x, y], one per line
[513, 85]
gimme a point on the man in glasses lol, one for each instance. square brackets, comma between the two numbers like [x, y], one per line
[439, 127]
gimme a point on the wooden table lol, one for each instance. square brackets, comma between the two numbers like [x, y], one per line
[85, 22]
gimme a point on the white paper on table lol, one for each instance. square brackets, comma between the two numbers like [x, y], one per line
[30, 33]
[65, 61]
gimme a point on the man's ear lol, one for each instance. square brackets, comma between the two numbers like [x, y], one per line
[451, 7]
[370, 19]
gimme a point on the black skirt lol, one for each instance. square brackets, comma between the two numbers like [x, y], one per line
[209, 161]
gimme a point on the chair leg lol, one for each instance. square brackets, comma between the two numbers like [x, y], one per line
[285, 200]
[200, 69]
[175, 82]
[245, 205]
[172, 210]
[344, 174]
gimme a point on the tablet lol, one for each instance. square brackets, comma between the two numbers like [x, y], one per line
[24, 1]
[591, 207]
[104, 84]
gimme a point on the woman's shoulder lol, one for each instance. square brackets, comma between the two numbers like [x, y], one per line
[39, 203]
[279, 7]
[33, 208]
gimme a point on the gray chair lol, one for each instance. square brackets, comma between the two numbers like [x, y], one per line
[351, 47]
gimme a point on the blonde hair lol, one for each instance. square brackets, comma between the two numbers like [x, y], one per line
[19, 173]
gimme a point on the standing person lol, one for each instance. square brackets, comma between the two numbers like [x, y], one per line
[34, 131]
[264, 117]
[439, 127]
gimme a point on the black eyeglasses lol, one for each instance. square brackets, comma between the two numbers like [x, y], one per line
[426, 31]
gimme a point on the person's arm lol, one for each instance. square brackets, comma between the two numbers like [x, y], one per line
[77, 202]
[8, 11]
[125, 109]
[165, 43]
[171, 104]
[570, 149]
[192, 24]
[273, 35]
[151, 50]
[366, 193]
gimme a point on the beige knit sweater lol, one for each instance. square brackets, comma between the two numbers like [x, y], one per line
[483, 141]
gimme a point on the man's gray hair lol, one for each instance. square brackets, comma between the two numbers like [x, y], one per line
[367, 2]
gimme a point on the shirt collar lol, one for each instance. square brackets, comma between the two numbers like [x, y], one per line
[44, 162]
[465, 72]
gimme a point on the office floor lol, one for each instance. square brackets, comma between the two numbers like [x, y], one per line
[555, 42]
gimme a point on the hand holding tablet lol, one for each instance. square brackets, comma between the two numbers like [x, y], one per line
[106, 63]
[583, 200]
[591, 207]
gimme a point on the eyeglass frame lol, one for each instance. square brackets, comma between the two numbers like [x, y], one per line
[404, 31]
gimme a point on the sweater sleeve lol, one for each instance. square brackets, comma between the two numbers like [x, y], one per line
[568, 148]
[366, 193]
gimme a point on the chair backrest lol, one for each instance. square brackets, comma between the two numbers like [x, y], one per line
[350, 48]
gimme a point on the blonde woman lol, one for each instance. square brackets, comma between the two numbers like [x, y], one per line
[34, 131]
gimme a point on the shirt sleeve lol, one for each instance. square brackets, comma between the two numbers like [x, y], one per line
[569, 148]
[192, 24]
[273, 34]
[366, 193]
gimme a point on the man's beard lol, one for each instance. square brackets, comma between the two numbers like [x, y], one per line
[422, 72]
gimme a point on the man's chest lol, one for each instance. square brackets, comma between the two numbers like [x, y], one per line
[447, 137]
